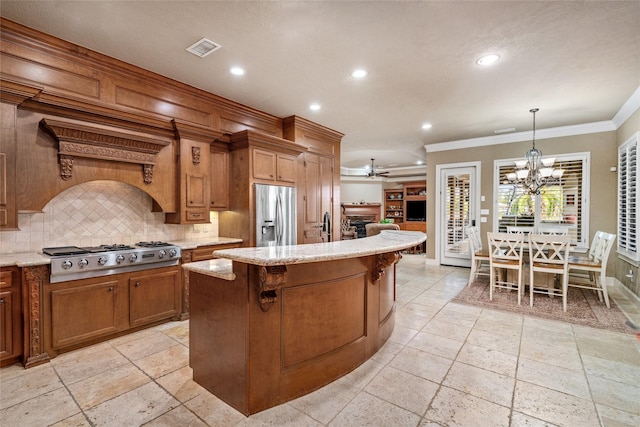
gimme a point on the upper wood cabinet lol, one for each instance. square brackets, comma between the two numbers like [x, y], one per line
[272, 166]
[194, 172]
[256, 158]
[219, 183]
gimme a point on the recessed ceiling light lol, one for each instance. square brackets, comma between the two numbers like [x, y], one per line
[427, 126]
[314, 107]
[359, 74]
[419, 162]
[203, 47]
[237, 71]
[488, 60]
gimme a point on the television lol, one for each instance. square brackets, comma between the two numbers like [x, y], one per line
[416, 210]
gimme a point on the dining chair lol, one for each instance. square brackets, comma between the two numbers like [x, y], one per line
[549, 254]
[595, 267]
[479, 256]
[505, 253]
[554, 231]
[521, 229]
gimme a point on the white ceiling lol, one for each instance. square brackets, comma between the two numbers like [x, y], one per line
[576, 61]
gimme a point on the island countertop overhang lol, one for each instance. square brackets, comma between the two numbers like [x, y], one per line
[386, 241]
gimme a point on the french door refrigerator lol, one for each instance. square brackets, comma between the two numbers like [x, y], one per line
[275, 215]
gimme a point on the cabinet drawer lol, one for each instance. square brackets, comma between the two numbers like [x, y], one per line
[6, 279]
[198, 216]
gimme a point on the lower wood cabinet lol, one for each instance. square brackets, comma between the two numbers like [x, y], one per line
[153, 297]
[10, 316]
[82, 312]
[201, 253]
[85, 311]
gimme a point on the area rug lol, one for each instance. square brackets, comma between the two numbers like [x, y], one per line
[583, 306]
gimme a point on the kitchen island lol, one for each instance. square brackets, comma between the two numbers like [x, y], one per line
[271, 324]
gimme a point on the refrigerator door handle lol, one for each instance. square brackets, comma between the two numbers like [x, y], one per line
[279, 222]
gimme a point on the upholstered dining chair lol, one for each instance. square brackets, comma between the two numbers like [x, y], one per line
[347, 231]
[479, 256]
[505, 253]
[595, 267]
[548, 254]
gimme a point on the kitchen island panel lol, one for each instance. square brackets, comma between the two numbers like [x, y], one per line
[324, 320]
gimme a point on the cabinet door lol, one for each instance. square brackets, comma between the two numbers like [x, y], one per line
[196, 191]
[83, 312]
[286, 168]
[264, 165]
[219, 180]
[6, 324]
[318, 197]
[153, 297]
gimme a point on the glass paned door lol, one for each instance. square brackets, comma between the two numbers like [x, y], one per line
[457, 212]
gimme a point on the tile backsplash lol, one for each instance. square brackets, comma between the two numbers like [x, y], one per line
[95, 213]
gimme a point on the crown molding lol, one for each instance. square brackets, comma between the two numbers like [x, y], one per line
[627, 109]
[561, 131]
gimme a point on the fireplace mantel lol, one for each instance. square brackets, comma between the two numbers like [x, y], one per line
[370, 211]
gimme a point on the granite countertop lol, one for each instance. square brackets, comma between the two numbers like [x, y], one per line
[31, 259]
[386, 241]
[220, 268]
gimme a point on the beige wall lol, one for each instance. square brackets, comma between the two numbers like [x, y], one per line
[602, 203]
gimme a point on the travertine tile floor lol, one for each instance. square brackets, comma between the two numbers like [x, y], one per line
[445, 365]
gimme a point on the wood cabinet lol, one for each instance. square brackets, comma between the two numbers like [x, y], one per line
[153, 297]
[196, 146]
[194, 170]
[394, 205]
[10, 316]
[272, 166]
[317, 198]
[256, 158]
[82, 312]
[219, 184]
[86, 310]
[201, 253]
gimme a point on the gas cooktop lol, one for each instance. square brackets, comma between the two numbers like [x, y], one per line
[73, 262]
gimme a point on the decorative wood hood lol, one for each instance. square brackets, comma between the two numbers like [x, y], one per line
[102, 142]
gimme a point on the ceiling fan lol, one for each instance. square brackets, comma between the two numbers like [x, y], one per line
[372, 172]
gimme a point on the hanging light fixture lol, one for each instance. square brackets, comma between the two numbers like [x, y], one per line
[533, 172]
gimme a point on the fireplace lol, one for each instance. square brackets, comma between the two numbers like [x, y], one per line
[360, 215]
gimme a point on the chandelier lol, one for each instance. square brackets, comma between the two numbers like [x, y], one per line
[533, 172]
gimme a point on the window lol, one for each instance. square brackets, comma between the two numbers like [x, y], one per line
[562, 204]
[628, 199]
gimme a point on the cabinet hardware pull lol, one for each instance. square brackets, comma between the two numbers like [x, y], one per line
[1, 300]
[110, 288]
[137, 284]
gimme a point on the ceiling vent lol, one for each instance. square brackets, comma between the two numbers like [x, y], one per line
[203, 47]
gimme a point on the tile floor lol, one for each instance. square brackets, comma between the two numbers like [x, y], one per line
[445, 365]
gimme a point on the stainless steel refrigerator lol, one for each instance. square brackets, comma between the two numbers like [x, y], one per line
[275, 215]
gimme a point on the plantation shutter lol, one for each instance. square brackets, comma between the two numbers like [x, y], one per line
[559, 204]
[628, 199]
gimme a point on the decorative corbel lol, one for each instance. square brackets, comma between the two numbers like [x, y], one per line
[270, 278]
[383, 261]
[195, 155]
[66, 166]
[147, 173]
